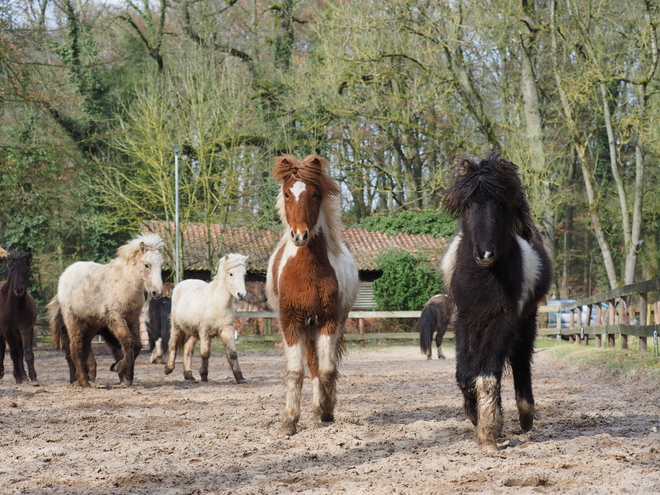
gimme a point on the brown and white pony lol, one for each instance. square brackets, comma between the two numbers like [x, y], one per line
[312, 283]
[435, 318]
[107, 299]
[18, 313]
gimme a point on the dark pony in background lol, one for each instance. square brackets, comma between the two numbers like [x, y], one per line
[435, 318]
[497, 272]
[18, 313]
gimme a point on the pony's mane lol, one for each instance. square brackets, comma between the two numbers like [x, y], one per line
[152, 242]
[492, 178]
[230, 261]
[311, 171]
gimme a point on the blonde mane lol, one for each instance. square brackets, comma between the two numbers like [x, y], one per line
[130, 250]
[312, 170]
[230, 261]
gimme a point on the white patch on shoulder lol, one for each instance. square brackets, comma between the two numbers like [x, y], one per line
[531, 271]
[449, 261]
[298, 188]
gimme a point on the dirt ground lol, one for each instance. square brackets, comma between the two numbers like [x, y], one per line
[399, 429]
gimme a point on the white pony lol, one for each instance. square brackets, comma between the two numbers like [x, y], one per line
[107, 299]
[201, 311]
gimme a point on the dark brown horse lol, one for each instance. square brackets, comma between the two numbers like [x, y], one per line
[18, 313]
[435, 318]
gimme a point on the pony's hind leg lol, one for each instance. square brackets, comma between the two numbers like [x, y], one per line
[175, 336]
[232, 357]
[438, 343]
[188, 350]
[293, 379]
[325, 384]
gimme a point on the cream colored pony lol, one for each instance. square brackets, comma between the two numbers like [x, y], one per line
[201, 311]
[106, 299]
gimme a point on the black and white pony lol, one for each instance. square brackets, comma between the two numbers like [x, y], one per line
[496, 271]
[435, 318]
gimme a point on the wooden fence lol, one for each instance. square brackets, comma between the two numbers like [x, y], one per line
[619, 313]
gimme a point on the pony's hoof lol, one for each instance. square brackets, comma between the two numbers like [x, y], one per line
[526, 422]
[288, 428]
[34, 383]
[327, 418]
[488, 447]
[204, 378]
[189, 376]
[239, 378]
[113, 367]
[168, 370]
[159, 360]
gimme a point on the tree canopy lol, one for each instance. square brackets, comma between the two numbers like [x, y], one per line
[94, 95]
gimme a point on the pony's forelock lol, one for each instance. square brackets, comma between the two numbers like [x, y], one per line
[311, 170]
[230, 261]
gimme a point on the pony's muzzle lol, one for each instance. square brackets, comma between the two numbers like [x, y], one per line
[484, 257]
[155, 294]
[241, 296]
[19, 291]
[300, 239]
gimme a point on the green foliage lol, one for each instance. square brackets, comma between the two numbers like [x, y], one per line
[407, 282]
[430, 222]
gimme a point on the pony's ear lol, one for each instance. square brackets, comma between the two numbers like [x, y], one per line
[454, 200]
[285, 166]
[29, 257]
[143, 247]
[315, 161]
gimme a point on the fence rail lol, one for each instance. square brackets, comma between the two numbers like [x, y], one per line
[627, 312]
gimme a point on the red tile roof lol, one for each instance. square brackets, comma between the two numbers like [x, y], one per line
[258, 245]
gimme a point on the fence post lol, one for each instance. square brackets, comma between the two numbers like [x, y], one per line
[612, 321]
[599, 322]
[571, 324]
[587, 325]
[361, 330]
[644, 317]
[625, 319]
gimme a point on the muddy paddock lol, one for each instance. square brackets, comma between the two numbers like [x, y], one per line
[399, 429]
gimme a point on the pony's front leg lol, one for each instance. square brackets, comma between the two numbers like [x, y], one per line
[325, 383]
[489, 411]
[126, 366]
[3, 347]
[293, 379]
[465, 374]
[16, 353]
[188, 350]
[205, 353]
[227, 336]
[27, 334]
[521, 368]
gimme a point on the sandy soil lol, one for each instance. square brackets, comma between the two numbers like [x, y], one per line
[399, 429]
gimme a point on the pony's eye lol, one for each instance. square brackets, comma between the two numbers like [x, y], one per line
[231, 274]
[315, 195]
[147, 265]
[286, 195]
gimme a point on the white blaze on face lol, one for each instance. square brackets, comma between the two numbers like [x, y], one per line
[298, 188]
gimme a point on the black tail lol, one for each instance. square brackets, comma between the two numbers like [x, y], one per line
[426, 325]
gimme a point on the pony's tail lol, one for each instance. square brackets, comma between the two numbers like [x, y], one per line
[56, 323]
[426, 326]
